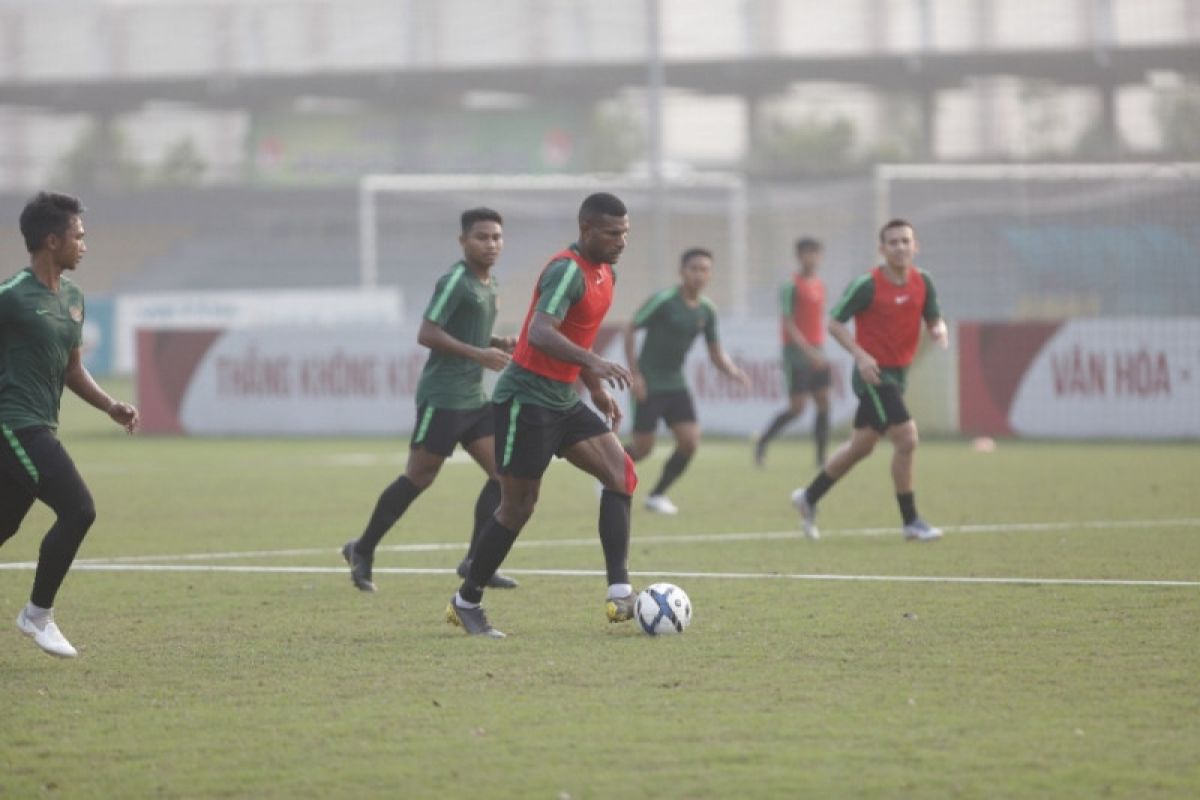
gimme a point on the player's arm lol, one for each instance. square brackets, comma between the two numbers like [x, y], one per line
[857, 298]
[505, 343]
[932, 315]
[544, 334]
[637, 382]
[81, 382]
[716, 353]
[434, 337]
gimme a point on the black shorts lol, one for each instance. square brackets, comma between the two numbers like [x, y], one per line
[438, 430]
[803, 378]
[881, 407]
[670, 406]
[529, 435]
[35, 465]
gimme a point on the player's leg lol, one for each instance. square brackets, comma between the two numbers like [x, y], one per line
[645, 422]
[60, 486]
[16, 498]
[794, 377]
[432, 442]
[820, 394]
[483, 450]
[868, 428]
[600, 455]
[904, 438]
[680, 414]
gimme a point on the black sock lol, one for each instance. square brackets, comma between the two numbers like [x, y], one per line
[817, 489]
[821, 435]
[485, 506]
[908, 507]
[781, 421]
[493, 545]
[674, 467]
[614, 535]
[391, 505]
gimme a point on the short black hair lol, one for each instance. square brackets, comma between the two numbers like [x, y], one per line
[807, 244]
[601, 204]
[898, 222]
[691, 253]
[47, 213]
[480, 214]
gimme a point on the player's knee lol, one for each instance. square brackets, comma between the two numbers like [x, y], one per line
[78, 516]
[630, 478]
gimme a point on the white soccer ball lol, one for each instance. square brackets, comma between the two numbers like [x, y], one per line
[663, 608]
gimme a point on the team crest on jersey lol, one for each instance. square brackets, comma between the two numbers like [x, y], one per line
[76, 313]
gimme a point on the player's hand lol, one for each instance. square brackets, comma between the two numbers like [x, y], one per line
[608, 407]
[494, 358]
[740, 376]
[868, 368]
[817, 360]
[125, 415]
[507, 343]
[610, 372]
[940, 334]
[637, 386]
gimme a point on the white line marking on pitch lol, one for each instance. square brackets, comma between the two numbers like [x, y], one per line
[684, 538]
[575, 573]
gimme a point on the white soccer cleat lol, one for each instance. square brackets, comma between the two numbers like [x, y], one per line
[808, 514]
[660, 504]
[921, 531]
[48, 636]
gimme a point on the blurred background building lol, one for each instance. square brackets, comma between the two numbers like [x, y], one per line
[220, 144]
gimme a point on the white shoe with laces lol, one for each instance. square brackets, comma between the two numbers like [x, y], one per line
[808, 514]
[47, 636]
[659, 504]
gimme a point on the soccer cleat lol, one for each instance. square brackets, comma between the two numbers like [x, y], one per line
[808, 514]
[360, 567]
[921, 531]
[48, 636]
[660, 504]
[620, 609]
[498, 580]
[472, 620]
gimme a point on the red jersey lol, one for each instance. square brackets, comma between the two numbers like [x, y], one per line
[577, 291]
[803, 303]
[887, 316]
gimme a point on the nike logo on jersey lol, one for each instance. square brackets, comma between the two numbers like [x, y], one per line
[902, 298]
[599, 279]
[41, 311]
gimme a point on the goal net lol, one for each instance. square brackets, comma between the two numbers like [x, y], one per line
[409, 224]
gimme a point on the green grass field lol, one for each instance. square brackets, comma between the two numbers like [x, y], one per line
[849, 667]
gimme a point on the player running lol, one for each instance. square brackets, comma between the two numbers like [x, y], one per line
[452, 407]
[41, 330]
[539, 415]
[888, 306]
[672, 319]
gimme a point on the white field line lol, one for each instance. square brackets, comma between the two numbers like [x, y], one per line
[685, 538]
[573, 573]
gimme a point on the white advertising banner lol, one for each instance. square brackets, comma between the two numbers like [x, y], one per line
[235, 309]
[1125, 378]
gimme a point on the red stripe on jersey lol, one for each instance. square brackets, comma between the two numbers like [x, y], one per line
[580, 324]
[890, 328]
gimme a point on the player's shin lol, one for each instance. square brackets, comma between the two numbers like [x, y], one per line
[614, 535]
[495, 541]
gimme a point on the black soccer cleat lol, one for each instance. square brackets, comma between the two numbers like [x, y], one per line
[360, 567]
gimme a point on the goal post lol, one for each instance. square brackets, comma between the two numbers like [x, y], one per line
[726, 195]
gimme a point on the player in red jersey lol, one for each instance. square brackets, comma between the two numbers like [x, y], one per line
[802, 330]
[538, 414]
[888, 305]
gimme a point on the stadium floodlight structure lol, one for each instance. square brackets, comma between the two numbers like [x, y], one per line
[731, 186]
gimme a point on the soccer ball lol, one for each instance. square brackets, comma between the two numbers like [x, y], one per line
[663, 608]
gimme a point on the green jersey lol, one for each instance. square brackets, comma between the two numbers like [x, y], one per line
[671, 326]
[465, 308]
[38, 330]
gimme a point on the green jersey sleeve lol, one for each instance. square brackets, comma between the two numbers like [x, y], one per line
[646, 313]
[710, 320]
[447, 294]
[857, 298]
[560, 287]
[787, 300]
[931, 311]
